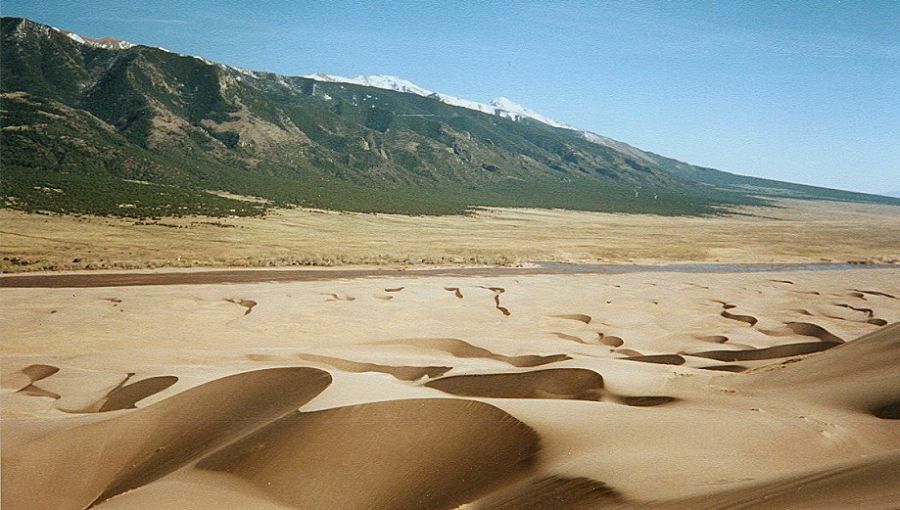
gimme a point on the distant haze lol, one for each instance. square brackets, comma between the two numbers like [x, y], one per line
[803, 92]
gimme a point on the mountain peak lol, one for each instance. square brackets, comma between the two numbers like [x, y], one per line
[98, 42]
[515, 111]
[506, 103]
[501, 106]
[184, 128]
[380, 81]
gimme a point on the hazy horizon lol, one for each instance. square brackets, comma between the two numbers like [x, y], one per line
[803, 93]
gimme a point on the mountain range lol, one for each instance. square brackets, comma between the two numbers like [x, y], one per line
[103, 126]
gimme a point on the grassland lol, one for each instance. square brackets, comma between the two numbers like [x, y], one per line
[795, 231]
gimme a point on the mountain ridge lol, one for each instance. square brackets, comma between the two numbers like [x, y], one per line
[159, 130]
[500, 105]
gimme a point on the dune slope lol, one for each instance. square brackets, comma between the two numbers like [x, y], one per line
[418, 453]
[134, 449]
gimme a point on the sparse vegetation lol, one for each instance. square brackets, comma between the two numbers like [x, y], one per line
[796, 231]
[90, 122]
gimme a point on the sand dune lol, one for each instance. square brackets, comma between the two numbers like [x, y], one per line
[404, 373]
[726, 368]
[462, 349]
[778, 351]
[870, 483]
[24, 380]
[861, 375]
[132, 450]
[580, 317]
[570, 338]
[662, 359]
[749, 319]
[432, 453]
[37, 372]
[555, 492]
[553, 383]
[806, 329]
[716, 339]
[126, 396]
[595, 391]
[565, 383]
[120, 396]
[611, 340]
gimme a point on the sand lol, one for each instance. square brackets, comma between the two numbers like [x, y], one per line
[528, 391]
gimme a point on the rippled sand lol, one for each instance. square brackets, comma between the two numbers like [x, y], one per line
[671, 390]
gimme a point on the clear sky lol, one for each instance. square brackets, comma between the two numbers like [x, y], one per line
[798, 91]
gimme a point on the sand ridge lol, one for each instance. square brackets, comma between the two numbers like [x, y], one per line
[429, 400]
[135, 449]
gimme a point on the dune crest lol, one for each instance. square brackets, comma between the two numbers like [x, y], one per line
[549, 383]
[403, 373]
[399, 454]
[126, 452]
[462, 349]
[556, 492]
[125, 397]
[24, 379]
[556, 383]
[861, 375]
[778, 351]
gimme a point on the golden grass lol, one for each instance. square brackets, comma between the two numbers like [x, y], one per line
[796, 231]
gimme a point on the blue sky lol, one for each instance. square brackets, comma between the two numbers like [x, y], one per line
[799, 91]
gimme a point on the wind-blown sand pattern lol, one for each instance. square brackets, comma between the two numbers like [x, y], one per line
[134, 449]
[566, 383]
[413, 453]
[642, 390]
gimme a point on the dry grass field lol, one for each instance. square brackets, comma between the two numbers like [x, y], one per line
[794, 231]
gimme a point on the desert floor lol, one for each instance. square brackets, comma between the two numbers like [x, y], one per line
[792, 231]
[636, 390]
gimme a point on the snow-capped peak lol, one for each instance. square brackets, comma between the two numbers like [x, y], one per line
[512, 108]
[100, 42]
[379, 81]
[507, 104]
[499, 106]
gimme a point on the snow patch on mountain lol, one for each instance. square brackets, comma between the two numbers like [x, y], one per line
[515, 111]
[379, 81]
[100, 42]
[77, 38]
[110, 43]
[499, 106]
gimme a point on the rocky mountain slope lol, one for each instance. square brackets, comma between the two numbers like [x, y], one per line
[102, 126]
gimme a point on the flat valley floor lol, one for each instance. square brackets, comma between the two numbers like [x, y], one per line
[635, 390]
[793, 231]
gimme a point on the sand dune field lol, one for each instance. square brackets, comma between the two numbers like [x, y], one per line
[533, 391]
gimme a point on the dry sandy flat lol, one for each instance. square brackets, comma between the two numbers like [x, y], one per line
[754, 390]
[795, 231]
